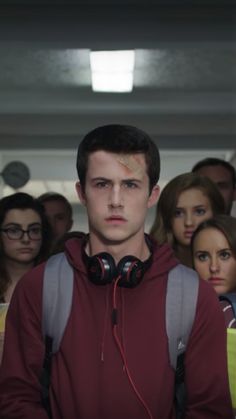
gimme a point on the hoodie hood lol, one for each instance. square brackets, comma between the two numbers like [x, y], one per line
[163, 258]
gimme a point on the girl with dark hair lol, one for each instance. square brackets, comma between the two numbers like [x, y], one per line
[24, 242]
[214, 254]
[214, 258]
[24, 239]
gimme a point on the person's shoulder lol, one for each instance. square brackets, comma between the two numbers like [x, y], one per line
[207, 289]
[229, 315]
[32, 280]
[207, 298]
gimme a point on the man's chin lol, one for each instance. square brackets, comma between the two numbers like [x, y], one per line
[113, 240]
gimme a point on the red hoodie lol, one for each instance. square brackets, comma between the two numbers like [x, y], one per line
[89, 380]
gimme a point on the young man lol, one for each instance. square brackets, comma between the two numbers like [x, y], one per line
[113, 361]
[223, 174]
[59, 213]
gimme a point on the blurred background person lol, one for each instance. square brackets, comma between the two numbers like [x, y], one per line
[214, 258]
[24, 242]
[186, 201]
[60, 244]
[223, 174]
[24, 239]
[59, 213]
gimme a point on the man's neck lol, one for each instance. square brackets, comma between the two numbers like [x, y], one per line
[133, 246]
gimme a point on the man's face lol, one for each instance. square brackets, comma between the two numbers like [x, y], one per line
[58, 216]
[222, 178]
[116, 196]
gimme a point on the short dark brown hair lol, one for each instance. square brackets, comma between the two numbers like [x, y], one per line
[213, 161]
[119, 139]
[56, 196]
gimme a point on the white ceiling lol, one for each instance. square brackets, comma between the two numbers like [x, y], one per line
[184, 81]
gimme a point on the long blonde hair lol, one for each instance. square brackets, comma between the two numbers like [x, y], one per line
[161, 229]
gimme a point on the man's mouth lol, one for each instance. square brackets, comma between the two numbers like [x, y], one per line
[115, 218]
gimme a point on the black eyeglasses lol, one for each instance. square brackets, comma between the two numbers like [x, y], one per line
[17, 233]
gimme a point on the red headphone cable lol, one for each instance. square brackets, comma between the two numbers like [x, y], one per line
[121, 349]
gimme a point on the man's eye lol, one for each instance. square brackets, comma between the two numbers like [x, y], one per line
[60, 217]
[131, 185]
[101, 184]
[224, 186]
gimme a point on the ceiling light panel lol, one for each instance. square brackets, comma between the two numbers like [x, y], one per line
[112, 71]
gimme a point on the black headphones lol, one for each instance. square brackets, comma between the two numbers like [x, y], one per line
[102, 269]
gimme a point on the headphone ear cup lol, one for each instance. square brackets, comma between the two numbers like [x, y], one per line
[131, 270]
[101, 268]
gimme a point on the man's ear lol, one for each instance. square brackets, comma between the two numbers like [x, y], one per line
[80, 193]
[153, 198]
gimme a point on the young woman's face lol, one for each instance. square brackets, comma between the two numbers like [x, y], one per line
[214, 261]
[26, 248]
[192, 208]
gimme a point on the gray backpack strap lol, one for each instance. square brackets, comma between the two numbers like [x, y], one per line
[181, 300]
[57, 297]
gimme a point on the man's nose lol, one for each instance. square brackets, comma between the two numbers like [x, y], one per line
[116, 196]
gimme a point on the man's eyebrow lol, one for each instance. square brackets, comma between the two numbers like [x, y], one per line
[100, 178]
[131, 180]
[110, 180]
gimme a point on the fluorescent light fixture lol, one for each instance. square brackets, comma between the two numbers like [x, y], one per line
[112, 71]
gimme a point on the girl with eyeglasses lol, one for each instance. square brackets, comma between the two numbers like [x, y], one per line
[25, 239]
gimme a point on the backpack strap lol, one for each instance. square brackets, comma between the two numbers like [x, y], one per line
[56, 306]
[231, 298]
[57, 297]
[181, 300]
